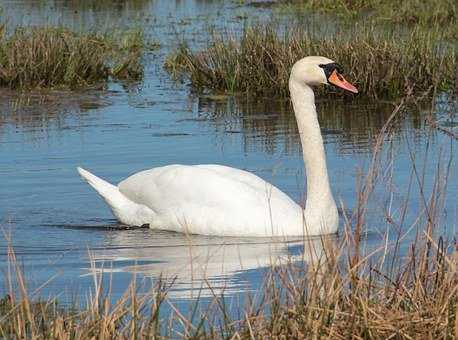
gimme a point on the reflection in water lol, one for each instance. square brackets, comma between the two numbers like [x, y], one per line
[197, 263]
[109, 14]
[270, 124]
[76, 13]
[264, 125]
[37, 112]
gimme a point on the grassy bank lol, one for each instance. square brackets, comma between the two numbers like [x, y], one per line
[351, 299]
[342, 298]
[259, 61]
[389, 290]
[409, 12]
[49, 57]
[442, 12]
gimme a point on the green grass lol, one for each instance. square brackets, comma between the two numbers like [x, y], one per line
[259, 61]
[409, 12]
[50, 57]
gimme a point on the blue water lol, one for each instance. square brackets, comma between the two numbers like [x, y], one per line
[58, 224]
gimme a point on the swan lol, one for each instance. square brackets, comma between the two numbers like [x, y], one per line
[218, 200]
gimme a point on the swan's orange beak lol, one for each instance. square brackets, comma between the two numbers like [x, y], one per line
[336, 79]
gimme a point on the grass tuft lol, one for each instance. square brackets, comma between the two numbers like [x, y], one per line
[260, 60]
[49, 57]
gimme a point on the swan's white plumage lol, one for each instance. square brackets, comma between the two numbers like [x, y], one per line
[213, 200]
[219, 200]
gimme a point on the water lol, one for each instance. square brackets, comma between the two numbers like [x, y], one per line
[58, 224]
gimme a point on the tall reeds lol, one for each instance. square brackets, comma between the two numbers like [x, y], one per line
[259, 61]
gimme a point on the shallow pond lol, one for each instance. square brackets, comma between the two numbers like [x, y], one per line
[57, 223]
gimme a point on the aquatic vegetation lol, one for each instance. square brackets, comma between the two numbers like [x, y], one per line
[412, 12]
[260, 59]
[392, 290]
[405, 15]
[50, 57]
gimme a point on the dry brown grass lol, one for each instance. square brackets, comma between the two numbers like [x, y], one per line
[335, 299]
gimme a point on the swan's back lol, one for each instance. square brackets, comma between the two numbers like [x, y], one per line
[213, 200]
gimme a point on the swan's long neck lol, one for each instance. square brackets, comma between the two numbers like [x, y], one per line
[319, 196]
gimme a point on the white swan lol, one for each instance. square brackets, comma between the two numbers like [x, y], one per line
[219, 200]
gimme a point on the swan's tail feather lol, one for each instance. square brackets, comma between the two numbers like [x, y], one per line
[125, 210]
[110, 193]
[101, 186]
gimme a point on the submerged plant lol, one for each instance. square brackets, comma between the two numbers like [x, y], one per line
[49, 57]
[260, 59]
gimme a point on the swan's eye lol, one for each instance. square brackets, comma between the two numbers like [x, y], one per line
[330, 68]
[339, 68]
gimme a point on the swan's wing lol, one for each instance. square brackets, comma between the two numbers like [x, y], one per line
[211, 199]
[239, 175]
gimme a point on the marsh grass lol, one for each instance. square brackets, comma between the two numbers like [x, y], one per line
[383, 292]
[50, 57]
[410, 12]
[259, 61]
[350, 297]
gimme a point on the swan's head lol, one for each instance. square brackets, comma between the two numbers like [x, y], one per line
[320, 70]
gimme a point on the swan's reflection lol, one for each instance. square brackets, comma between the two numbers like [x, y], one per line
[201, 265]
